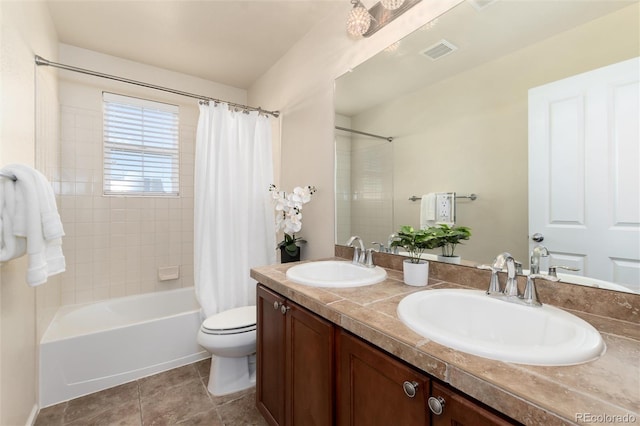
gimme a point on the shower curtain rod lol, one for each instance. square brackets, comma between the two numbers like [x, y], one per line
[387, 138]
[41, 61]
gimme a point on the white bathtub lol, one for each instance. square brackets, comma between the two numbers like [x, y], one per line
[96, 346]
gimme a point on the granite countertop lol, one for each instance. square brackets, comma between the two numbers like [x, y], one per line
[606, 390]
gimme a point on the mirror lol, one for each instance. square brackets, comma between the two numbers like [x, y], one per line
[459, 122]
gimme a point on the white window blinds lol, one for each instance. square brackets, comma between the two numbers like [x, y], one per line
[141, 154]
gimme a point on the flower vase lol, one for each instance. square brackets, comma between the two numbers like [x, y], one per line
[449, 259]
[415, 274]
[286, 257]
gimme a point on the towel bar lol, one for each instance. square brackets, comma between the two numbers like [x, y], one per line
[472, 197]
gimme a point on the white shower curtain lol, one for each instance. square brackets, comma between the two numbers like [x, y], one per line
[233, 214]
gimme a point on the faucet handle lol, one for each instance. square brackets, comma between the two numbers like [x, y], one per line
[553, 268]
[368, 262]
[494, 284]
[530, 296]
[381, 247]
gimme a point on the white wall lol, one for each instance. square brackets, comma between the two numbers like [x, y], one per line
[114, 245]
[301, 86]
[25, 30]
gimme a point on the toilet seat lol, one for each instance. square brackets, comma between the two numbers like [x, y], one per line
[233, 321]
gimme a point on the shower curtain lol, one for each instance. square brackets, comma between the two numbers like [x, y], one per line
[233, 214]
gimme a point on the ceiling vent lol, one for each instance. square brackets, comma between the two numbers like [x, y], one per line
[438, 50]
[481, 4]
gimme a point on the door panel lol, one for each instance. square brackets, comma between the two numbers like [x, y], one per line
[584, 179]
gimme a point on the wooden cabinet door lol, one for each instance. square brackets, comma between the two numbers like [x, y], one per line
[270, 362]
[370, 387]
[310, 371]
[461, 411]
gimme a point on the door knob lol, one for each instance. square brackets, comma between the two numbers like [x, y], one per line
[538, 237]
[410, 388]
[436, 404]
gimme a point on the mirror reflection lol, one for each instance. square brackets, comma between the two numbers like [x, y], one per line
[457, 97]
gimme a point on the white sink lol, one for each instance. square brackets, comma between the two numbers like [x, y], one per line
[335, 273]
[472, 322]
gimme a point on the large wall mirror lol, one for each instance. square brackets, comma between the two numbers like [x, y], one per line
[455, 97]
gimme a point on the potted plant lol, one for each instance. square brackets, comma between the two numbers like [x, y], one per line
[289, 218]
[415, 269]
[448, 237]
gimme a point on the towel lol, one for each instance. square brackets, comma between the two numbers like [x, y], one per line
[428, 210]
[33, 220]
[11, 246]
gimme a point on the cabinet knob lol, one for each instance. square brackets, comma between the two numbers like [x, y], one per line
[284, 309]
[276, 305]
[436, 404]
[410, 388]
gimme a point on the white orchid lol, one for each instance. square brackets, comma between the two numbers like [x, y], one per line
[288, 212]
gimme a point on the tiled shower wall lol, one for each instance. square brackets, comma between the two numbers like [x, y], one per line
[364, 186]
[114, 245]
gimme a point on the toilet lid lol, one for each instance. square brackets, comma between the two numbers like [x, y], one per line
[237, 320]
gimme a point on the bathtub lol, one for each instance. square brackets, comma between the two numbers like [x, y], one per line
[96, 346]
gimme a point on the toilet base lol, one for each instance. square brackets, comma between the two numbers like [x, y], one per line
[229, 375]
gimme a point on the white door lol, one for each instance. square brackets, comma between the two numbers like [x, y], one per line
[584, 178]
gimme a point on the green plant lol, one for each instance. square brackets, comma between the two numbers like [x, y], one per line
[289, 244]
[415, 241]
[448, 237]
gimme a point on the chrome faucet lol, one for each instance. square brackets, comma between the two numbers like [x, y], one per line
[511, 287]
[390, 240]
[361, 256]
[538, 251]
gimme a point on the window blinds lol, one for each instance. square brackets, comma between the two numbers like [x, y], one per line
[141, 155]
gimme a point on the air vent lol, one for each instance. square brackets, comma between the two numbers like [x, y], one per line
[438, 50]
[481, 4]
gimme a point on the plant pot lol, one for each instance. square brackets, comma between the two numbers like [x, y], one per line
[415, 274]
[286, 257]
[449, 259]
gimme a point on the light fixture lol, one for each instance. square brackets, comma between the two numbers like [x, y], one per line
[364, 23]
[391, 4]
[359, 19]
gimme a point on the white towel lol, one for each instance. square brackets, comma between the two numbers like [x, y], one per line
[11, 246]
[36, 220]
[428, 210]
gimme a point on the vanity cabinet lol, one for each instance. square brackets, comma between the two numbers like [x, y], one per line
[374, 388]
[295, 363]
[303, 361]
[459, 410]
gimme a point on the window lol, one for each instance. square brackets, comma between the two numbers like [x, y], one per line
[141, 154]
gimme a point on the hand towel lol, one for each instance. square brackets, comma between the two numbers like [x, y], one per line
[428, 210]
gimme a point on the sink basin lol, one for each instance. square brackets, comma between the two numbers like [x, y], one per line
[472, 322]
[335, 273]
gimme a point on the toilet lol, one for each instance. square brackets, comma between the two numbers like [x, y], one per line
[230, 337]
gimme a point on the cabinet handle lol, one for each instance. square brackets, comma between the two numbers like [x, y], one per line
[276, 305]
[284, 309]
[436, 404]
[410, 388]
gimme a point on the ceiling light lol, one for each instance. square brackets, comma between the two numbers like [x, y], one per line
[359, 19]
[364, 23]
[391, 4]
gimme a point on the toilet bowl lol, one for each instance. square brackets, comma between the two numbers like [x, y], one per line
[230, 337]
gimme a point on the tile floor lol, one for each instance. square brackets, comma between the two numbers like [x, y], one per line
[175, 397]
